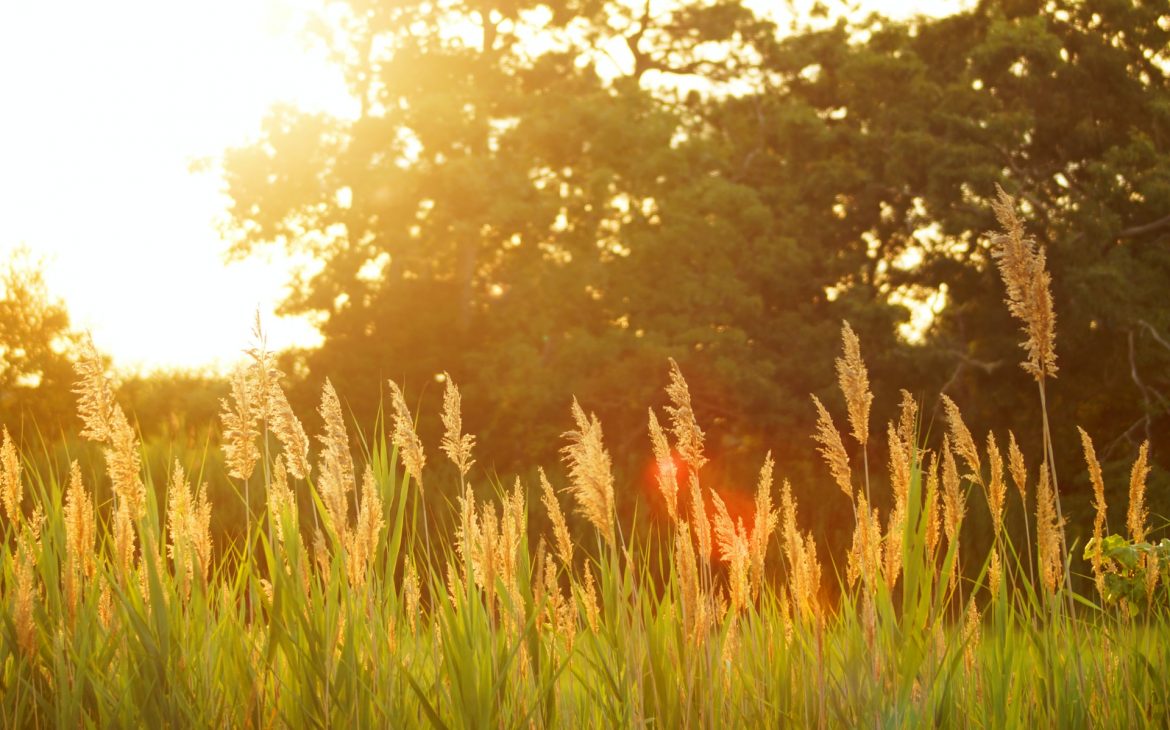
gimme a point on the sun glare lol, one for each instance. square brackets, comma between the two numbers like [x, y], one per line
[107, 105]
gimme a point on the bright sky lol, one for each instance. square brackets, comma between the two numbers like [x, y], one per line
[105, 106]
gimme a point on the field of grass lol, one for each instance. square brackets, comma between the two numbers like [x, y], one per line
[340, 608]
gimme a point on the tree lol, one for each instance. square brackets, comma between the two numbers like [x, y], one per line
[36, 347]
[504, 210]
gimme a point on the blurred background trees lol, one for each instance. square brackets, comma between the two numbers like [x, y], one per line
[550, 198]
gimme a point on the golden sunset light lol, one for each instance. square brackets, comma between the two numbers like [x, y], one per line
[525, 364]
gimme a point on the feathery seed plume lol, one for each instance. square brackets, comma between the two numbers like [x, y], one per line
[563, 542]
[832, 449]
[363, 540]
[455, 444]
[996, 487]
[290, 432]
[700, 523]
[1029, 296]
[589, 601]
[409, 446]
[11, 490]
[590, 477]
[1099, 522]
[908, 422]
[899, 467]
[1048, 533]
[687, 434]
[961, 439]
[1137, 515]
[1017, 468]
[240, 432]
[854, 381]
[666, 472]
[933, 506]
[80, 537]
[763, 524]
[335, 471]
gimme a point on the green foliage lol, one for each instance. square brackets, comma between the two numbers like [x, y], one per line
[1132, 569]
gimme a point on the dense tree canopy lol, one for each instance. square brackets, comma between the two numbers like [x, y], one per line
[36, 349]
[550, 198]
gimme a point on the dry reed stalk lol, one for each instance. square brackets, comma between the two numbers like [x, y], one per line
[832, 449]
[590, 476]
[455, 444]
[687, 434]
[564, 544]
[666, 472]
[11, 489]
[853, 379]
[1029, 297]
[335, 478]
[1138, 515]
[410, 448]
[1100, 524]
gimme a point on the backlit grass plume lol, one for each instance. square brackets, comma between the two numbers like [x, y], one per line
[410, 448]
[590, 475]
[1029, 287]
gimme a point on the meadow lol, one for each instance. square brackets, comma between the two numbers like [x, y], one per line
[348, 603]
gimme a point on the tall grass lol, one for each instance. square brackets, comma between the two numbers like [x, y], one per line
[338, 608]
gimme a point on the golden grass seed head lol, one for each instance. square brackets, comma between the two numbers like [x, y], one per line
[95, 403]
[240, 415]
[80, 536]
[899, 467]
[1100, 523]
[564, 543]
[954, 503]
[455, 444]
[1049, 533]
[933, 506]
[961, 440]
[666, 471]
[335, 477]
[853, 379]
[289, 430]
[833, 449]
[590, 472]
[1025, 275]
[996, 486]
[410, 448]
[699, 520]
[11, 489]
[908, 423]
[764, 522]
[589, 601]
[1017, 468]
[1138, 516]
[411, 593]
[687, 434]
